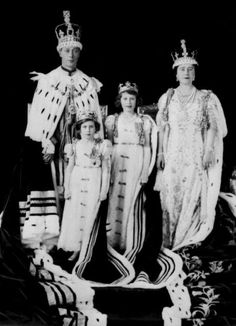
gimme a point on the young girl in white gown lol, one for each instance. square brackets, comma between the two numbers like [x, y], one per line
[86, 185]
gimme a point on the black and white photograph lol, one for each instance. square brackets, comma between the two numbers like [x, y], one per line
[118, 168]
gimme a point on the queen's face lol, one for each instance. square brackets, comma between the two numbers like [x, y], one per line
[185, 74]
[128, 102]
[69, 57]
[87, 130]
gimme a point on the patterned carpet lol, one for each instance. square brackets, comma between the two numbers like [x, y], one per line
[34, 297]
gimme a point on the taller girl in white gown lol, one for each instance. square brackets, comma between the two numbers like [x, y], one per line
[134, 139]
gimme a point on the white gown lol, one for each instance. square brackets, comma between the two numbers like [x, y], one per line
[126, 216]
[188, 191]
[80, 211]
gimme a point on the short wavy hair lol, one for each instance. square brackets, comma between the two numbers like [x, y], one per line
[139, 100]
[77, 125]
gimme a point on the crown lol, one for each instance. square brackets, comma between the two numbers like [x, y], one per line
[87, 114]
[68, 34]
[184, 58]
[127, 86]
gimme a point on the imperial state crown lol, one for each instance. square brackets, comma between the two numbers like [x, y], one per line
[68, 34]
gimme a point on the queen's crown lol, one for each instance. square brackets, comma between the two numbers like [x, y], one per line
[184, 57]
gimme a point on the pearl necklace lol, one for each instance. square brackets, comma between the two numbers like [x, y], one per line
[185, 98]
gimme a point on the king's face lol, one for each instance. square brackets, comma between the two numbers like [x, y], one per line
[69, 57]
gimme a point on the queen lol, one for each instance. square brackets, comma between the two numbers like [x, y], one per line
[191, 127]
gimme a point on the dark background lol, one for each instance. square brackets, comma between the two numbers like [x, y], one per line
[122, 41]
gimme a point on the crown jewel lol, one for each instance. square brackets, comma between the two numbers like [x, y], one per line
[184, 58]
[68, 34]
[83, 114]
[127, 86]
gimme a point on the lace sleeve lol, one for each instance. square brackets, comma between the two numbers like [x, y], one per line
[214, 118]
[161, 117]
[110, 125]
[211, 114]
[147, 125]
[106, 149]
[109, 122]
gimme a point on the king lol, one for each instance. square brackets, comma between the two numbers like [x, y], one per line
[61, 92]
[59, 95]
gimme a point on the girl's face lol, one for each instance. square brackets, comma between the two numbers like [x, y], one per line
[87, 130]
[69, 57]
[128, 102]
[185, 74]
